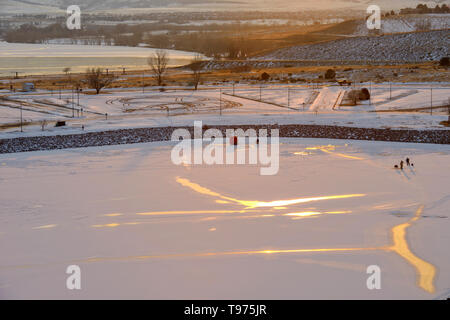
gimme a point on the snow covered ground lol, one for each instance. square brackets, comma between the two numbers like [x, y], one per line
[328, 99]
[140, 227]
[280, 105]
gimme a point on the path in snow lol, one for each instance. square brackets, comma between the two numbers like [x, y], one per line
[328, 99]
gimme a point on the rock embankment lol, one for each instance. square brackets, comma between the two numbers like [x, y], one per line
[142, 135]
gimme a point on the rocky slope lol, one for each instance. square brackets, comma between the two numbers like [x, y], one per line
[407, 47]
[130, 136]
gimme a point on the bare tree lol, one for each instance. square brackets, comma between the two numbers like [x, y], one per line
[96, 79]
[67, 72]
[196, 68]
[158, 62]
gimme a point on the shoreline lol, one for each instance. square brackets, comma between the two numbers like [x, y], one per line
[155, 134]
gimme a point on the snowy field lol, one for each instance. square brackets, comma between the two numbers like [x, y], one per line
[279, 104]
[140, 227]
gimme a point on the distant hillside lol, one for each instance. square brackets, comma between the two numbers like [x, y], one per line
[409, 23]
[45, 6]
[392, 24]
[406, 47]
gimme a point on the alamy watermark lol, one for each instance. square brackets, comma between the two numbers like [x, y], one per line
[374, 280]
[374, 19]
[73, 21]
[238, 147]
[73, 281]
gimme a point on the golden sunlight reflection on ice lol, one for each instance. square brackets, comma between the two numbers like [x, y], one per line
[312, 213]
[193, 212]
[426, 271]
[328, 149]
[251, 204]
[49, 226]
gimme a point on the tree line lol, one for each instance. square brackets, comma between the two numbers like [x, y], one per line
[227, 41]
[97, 79]
[424, 9]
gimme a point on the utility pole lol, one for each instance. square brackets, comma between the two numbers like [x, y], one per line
[431, 100]
[21, 119]
[73, 107]
[220, 102]
[289, 96]
[390, 90]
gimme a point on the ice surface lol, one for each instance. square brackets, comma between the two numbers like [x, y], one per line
[141, 227]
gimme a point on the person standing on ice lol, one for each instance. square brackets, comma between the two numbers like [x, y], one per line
[401, 165]
[407, 162]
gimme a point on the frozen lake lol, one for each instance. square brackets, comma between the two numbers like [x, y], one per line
[38, 59]
[140, 227]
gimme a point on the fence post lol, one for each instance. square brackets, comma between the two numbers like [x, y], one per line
[73, 107]
[21, 126]
[431, 102]
[390, 90]
[289, 96]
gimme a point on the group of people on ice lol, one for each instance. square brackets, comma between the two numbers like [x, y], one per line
[402, 164]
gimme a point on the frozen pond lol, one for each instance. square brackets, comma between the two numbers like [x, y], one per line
[140, 227]
[38, 59]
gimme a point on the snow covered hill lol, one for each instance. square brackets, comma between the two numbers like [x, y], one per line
[409, 47]
[408, 23]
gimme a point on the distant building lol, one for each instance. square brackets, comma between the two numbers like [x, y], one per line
[28, 86]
